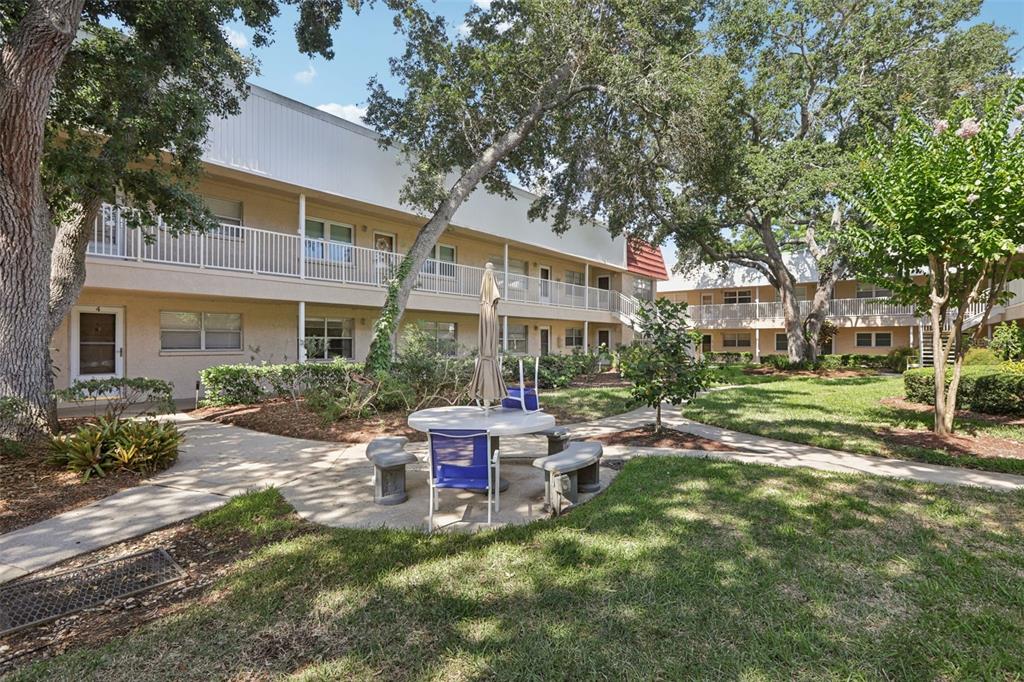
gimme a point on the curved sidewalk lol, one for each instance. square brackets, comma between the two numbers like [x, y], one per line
[330, 483]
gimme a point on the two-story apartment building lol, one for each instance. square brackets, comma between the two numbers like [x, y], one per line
[311, 231]
[737, 310]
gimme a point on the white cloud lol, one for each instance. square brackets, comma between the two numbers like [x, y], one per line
[483, 4]
[463, 29]
[306, 76]
[349, 112]
[236, 39]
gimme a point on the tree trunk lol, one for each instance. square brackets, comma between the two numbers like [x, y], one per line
[795, 340]
[67, 261]
[939, 362]
[657, 418]
[386, 332]
[29, 62]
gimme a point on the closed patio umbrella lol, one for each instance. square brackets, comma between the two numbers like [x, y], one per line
[487, 385]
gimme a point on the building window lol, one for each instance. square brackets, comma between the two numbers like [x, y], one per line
[517, 341]
[872, 291]
[224, 211]
[874, 340]
[705, 343]
[643, 289]
[707, 299]
[328, 241]
[573, 338]
[574, 278]
[738, 296]
[736, 339]
[443, 334]
[781, 342]
[442, 261]
[200, 331]
[328, 338]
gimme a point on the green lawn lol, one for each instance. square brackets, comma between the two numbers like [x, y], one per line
[733, 375]
[683, 569]
[571, 405]
[845, 414]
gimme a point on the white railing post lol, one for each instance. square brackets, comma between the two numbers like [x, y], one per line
[302, 236]
[504, 287]
[301, 353]
[138, 235]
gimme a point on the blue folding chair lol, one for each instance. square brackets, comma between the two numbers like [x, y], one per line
[527, 398]
[461, 458]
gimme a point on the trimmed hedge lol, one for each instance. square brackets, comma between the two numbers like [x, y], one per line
[728, 357]
[248, 384]
[991, 389]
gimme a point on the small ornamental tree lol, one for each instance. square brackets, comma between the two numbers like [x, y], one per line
[942, 205]
[1008, 341]
[663, 366]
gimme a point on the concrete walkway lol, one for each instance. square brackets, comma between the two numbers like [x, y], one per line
[331, 483]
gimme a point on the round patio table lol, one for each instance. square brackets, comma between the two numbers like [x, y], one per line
[497, 421]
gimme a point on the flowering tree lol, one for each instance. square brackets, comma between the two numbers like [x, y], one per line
[943, 217]
[662, 366]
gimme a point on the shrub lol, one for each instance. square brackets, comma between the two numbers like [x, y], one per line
[556, 371]
[248, 384]
[981, 356]
[140, 446]
[898, 359]
[992, 389]
[1008, 341]
[830, 361]
[728, 357]
[121, 393]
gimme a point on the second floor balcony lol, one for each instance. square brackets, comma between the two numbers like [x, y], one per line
[241, 249]
[771, 314]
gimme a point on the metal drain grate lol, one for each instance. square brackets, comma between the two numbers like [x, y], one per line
[31, 602]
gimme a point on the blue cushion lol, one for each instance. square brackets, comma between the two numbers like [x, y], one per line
[514, 395]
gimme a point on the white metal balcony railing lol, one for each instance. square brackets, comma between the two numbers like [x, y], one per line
[842, 307]
[264, 252]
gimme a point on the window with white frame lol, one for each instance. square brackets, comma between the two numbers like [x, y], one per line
[443, 334]
[781, 342]
[328, 338]
[228, 214]
[707, 299]
[643, 289]
[573, 337]
[517, 338]
[738, 296]
[865, 290]
[874, 339]
[736, 340]
[442, 261]
[200, 331]
[574, 278]
[330, 241]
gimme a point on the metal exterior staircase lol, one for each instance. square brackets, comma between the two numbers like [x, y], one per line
[971, 320]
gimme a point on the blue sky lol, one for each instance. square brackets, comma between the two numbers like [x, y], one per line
[364, 43]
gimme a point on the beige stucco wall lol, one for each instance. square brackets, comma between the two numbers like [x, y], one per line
[269, 333]
[843, 342]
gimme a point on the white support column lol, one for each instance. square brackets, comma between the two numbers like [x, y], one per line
[301, 354]
[586, 336]
[920, 344]
[586, 286]
[302, 240]
[504, 285]
[504, 336]
[757, 344]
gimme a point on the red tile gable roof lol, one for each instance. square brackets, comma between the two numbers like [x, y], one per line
[644, 259]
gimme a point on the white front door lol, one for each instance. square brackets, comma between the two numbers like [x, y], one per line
[97, 342]
[545, 284]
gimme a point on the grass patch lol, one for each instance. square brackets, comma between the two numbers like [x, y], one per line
[736, 375]
[587, 403]
[683, 569]
[259, 514]
[843, 414]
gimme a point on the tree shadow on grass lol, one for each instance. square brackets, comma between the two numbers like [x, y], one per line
[683, 568]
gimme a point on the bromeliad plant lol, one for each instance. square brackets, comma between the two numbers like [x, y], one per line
[663, 365]
[942, 204]
[144, 447]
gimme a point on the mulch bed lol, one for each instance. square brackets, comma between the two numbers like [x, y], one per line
[979, 445]
[33, 489]
[668, 438]
[767, 370]
[204, 556]
[288, 418]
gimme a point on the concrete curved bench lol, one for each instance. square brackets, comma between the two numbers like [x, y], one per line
[575, 469]
[389, 461]
[558, 438]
